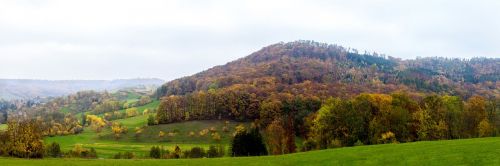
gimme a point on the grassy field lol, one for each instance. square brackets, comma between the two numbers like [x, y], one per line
[106, 145]
[480, 151]
[3, 126]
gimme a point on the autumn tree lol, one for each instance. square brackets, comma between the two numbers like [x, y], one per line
[131, 112]
[484, 128]
[475, 112]
[26, 139]
[118, 129]
[96, 123]
[144, 100]
[276, 137]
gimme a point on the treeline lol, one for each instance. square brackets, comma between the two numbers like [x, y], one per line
[380, 118]
[241, 103]
[361, 120]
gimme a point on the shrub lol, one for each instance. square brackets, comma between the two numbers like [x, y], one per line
[203, 132]
[215, 151]
[358, 143]
[213, 129]
[216, 137]
[128, 155]
[54, 150]
[196, 152]
[132, 112]
[125, 155]
[155, 152]
[117, 155]
[79, 151]
[161, 134]
[151, 120]
[308, 145]
[388, 137]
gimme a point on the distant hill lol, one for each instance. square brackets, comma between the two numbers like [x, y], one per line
[27, 89]
[323, 70]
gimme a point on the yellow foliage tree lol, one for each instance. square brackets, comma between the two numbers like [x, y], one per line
[485, 128]
[132, 112]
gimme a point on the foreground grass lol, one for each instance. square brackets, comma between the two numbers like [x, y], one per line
[480, 151]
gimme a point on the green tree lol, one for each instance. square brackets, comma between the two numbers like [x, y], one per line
[248, 143]
[54, 150]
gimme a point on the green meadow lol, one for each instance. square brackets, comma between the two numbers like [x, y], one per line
[479, 151]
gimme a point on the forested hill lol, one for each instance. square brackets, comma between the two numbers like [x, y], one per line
[323, 70]
[27, 89]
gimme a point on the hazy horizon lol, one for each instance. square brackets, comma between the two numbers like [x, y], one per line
[96, 40]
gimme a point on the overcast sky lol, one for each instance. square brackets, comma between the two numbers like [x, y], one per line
[109, 39]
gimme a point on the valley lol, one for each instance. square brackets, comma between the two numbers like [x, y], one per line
[292, 103]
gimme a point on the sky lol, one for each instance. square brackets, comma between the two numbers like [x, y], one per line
[118, 39]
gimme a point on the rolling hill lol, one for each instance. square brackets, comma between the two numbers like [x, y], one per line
[28, 89]
[323, 70]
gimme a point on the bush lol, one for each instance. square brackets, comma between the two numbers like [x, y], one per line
[216, 137]
[358, 143]
[126, 155]
[214, 151]
[155, 152]
[79, 151]
[203, 132]
[151, 120]
[54, 150]
[196, 152]
[308, 145]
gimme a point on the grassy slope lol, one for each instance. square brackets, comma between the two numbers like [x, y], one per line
[106, 145]
[140, 109]
[480, 151]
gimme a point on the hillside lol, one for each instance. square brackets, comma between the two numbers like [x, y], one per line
[319, 69]
[28, 89]
[296, 77]
[481, 151]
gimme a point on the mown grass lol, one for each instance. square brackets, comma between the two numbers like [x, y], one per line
[479, 151]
